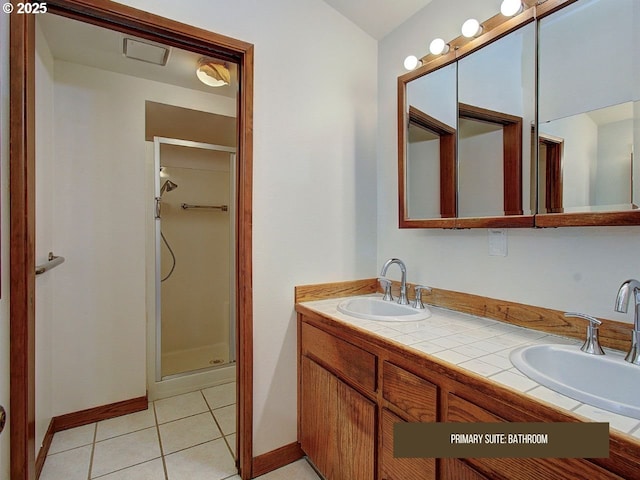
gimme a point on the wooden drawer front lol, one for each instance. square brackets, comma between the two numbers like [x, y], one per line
[410, 393]
[460, 410]
[454, 469]
[402, 468]
[350, 362]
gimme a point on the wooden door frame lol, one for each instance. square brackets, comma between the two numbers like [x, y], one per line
[108, 14]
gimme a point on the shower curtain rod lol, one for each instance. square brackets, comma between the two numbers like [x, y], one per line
[223, 208]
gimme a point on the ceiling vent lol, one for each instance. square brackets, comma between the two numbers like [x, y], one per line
[145, 51]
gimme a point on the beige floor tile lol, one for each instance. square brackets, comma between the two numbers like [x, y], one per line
[300, 470]
[188, 432]
[231, 441]
[126, 424]
[153, 470]
[68, 465]
[125, 451]
[226, 418]
[220, 395]
[209, 461]
[72, 438]
[180, 406]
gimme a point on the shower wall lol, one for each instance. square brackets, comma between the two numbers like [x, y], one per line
[195, 298]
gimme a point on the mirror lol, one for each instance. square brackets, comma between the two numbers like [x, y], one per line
[589, 111]
[496, 95]
[430, 151]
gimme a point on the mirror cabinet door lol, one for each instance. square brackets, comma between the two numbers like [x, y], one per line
[496, 109]
[430, 133]
[589, 111]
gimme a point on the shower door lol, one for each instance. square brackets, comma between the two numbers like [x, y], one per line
[195, 258]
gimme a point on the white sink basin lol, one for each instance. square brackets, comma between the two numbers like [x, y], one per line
[604, 381]
[374, 308]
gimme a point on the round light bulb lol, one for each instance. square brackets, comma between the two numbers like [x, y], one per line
[509, 8]
[411, 62]
[471, 28]
[438, 46]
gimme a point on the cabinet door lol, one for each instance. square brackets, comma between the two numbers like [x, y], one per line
[454, 469]
[356, 429]
[337, 425]
[401, 468]
[318, 407]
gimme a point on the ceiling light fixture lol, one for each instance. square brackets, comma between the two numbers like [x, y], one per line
[471, 28]
[509, 8]
[212, 73]
[438, 47]
[412, 62]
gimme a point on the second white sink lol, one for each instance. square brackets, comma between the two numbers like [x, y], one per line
[604, 381]
[374, 308]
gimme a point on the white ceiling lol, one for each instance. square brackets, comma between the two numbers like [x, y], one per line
[378, 17]
[86, 44]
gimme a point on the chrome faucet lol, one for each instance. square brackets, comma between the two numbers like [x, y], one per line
[403, 286]
[622, 305]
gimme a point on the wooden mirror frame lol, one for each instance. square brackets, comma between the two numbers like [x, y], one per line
[494, 28]
[126, 19]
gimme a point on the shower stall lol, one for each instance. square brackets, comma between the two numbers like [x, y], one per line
[194, 215]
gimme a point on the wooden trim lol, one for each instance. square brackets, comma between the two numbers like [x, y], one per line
[552, 172]
[509, 221]
[122, 18]
[448, 166]
[270, 461]
[44, 449]
[97, 414]
[322, 291]
[22, 246]
[550, 6]
[589, 219]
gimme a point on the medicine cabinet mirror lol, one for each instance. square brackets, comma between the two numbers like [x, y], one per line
[589, 114]
[470, 153]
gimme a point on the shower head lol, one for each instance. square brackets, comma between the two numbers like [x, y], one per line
[167, 187]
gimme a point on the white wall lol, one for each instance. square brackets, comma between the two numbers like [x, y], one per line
[4, 240]
[44, 235]
[99, 339]
[314, 171]
[564, 268]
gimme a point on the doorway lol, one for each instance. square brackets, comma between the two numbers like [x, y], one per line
[22, 217]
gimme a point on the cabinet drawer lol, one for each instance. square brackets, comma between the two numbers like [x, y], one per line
[350, 362]
[460, 410]
[411, 394]
[402, 468]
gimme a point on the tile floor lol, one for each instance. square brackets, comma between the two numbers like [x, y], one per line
[190, 436]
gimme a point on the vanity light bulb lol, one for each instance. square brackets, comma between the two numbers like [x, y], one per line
[509, 8]
[471, 28]
[412, 62]
[438, 46]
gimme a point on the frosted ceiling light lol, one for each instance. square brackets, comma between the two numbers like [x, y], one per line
[438, 46]
[471, 28]
[509, 8]
[212, 73]
[412, 62]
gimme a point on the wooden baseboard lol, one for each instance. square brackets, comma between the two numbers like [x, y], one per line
[44, 449]
[267, 462]
[96, 414]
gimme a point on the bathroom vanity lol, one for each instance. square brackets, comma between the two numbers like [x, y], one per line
[357, 378]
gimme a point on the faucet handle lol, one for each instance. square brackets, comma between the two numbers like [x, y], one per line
[591, 344]
[417, 302]
[386, 284]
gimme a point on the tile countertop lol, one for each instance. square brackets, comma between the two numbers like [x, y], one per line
[482, 346]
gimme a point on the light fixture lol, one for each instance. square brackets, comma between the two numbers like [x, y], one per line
[438, 46]
[212, 73]
[471, 28]
[412, 62]
[509, 8]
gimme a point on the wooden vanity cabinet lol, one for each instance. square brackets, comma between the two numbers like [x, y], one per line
[354, 387]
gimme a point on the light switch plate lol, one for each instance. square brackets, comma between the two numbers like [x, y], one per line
[497, 242]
